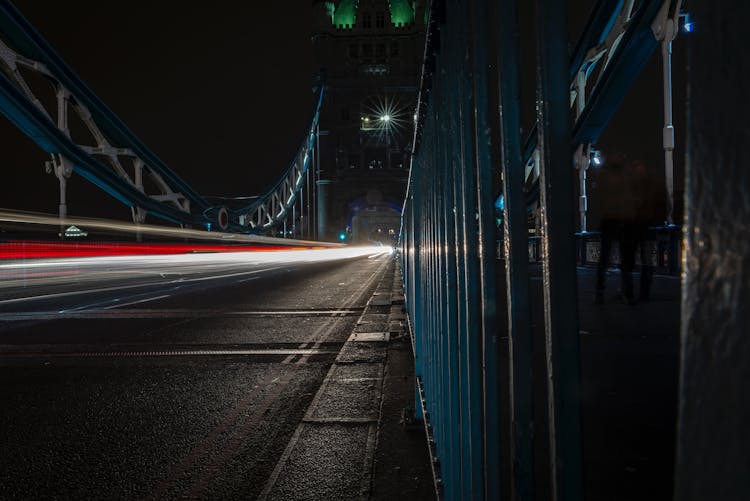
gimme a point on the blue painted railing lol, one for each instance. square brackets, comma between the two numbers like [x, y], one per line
[464, 293]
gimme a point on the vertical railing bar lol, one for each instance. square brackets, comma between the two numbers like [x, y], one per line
[444, 300]
[440, 383]
[414, 291]
[431, 270]
[472, 356]
[516, 249]
[559, 272]
[434, 272]
[450, 327]
[438, 298]
[484, 164]
[462, 456]
[453, 243]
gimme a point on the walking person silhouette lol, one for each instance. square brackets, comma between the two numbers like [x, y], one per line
[629, 201]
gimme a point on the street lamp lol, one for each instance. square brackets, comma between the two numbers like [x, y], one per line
[596, 158]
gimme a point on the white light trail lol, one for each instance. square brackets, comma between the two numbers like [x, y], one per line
[95, 272]
[119, 227]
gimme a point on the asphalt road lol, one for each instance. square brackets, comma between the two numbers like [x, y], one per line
[167, 380]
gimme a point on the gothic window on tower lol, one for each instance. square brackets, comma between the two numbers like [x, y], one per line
[380, 19]
[394, 48]
[354, 51]
[366, 20]
[345, 114]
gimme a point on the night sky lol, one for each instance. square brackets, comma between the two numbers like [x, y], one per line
[223, 95]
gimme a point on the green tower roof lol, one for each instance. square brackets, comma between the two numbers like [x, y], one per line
[402, 12]
[345, 15]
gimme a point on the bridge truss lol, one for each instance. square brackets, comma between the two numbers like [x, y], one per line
[114, 159]
[618, 40]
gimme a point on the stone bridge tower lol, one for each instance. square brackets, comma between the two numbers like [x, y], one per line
[370, 52]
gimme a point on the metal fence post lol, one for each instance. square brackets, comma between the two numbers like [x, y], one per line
[558, 254]
[450, 328]
[484, 164]
[468, 249]
[516, 247]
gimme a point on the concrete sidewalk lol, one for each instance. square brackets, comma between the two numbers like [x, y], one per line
[351, 443]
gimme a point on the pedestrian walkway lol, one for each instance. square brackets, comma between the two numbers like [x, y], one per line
[629, 372]
[351, 443]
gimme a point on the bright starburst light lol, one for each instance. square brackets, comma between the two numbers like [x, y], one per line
[384, 117]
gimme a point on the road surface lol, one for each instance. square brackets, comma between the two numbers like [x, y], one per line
[165, 379]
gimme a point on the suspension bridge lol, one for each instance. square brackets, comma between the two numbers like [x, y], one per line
[413, 309]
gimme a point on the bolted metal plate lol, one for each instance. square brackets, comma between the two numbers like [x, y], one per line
[376, 337]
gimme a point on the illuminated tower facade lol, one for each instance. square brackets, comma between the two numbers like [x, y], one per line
[370, 52]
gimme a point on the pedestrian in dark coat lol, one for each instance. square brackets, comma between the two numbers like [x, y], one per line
[630, 202]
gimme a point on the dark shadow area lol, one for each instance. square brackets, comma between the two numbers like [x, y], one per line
[629, 373]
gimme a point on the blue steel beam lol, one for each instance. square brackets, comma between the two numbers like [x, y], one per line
[635, 49]
[26, 47]
[25, 39]
[600, 22]
[633, 52]
[37, 126]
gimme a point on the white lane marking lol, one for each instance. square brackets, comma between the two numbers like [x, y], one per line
[120, 305]
[247, 279]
